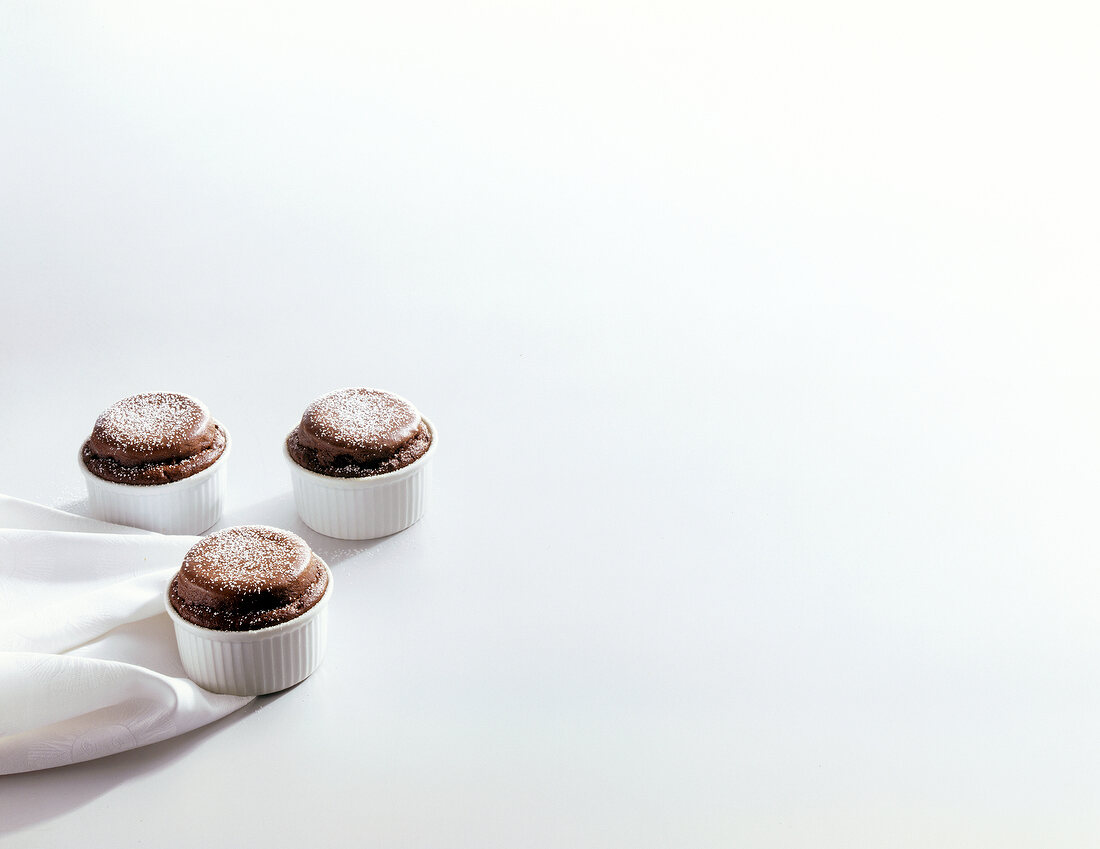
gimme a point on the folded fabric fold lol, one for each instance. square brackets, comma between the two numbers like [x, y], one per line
[88, 660]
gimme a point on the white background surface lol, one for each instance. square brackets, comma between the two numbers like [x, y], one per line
[762, 343]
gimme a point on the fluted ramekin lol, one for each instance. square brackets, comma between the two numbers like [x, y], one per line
[187, 506]
[252, 663]
[363, 508]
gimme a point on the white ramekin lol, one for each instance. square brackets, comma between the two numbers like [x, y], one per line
[363, 508]
[252, 663]
[187, 506]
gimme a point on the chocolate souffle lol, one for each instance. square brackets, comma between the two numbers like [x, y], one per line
[358, 433]
[248, 577]
[153, 438]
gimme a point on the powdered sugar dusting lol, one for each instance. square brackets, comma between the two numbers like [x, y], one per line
[367, 418]
[153, 419]
[247, 559]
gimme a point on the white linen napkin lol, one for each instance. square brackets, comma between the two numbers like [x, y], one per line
[88, 658]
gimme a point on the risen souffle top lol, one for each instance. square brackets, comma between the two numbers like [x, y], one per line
[153, 438]
[357, 433]
[247, 577]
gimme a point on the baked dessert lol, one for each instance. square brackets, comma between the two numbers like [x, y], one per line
[249, 607]
[360, 464]
[153, 438]
[358, 433]
[248, 577]
[157, 461]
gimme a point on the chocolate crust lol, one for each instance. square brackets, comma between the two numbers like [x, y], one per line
[333, 461]
[216, 619]
[156, 472]
[246, 578]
